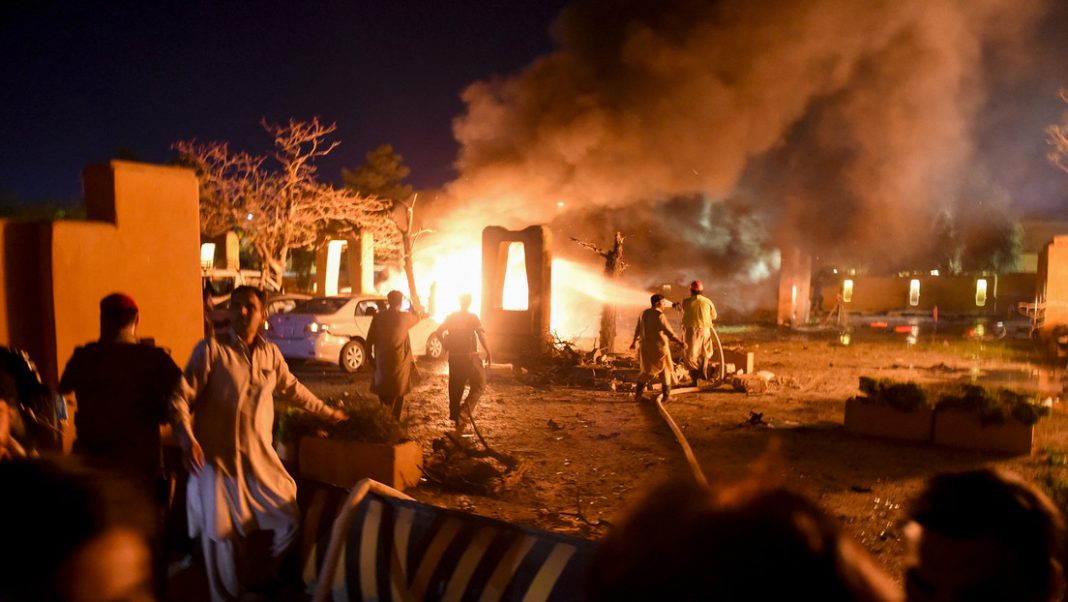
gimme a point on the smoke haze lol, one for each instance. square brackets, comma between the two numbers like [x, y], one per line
[713, 133]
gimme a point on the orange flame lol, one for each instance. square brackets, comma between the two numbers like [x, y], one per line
[451, 265]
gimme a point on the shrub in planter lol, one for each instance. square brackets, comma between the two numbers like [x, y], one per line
[992, 419]
[896, 410]
[993, 405]
[903, 396]
[369, 444]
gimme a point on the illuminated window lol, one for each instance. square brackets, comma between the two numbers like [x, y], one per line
[980, 292]
[516, 296]
[847, 291]
[793, 295]
[914, 292]
[207, 255]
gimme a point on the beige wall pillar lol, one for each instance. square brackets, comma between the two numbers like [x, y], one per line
[1052, 284]
[795, 278]
[362, 263]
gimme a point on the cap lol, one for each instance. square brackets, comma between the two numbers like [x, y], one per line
[696, 286]
[117, 303]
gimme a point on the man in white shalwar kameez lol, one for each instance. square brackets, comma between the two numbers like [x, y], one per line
[223, 415]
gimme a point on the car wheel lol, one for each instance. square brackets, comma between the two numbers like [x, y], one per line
[435, 347]
[353, 356]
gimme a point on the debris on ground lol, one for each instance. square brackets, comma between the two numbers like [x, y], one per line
[460, 464]
[756, 419]
[750, 384]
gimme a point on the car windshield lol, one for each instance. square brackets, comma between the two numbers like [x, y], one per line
[320, 307]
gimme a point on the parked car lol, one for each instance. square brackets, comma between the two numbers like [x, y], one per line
[277, 303]
[334, 329]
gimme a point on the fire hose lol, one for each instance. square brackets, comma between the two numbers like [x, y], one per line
[687, 451]
[698, 474]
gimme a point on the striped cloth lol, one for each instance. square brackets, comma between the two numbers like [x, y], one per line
[389, 548]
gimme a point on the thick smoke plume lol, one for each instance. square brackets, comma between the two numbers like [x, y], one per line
[714, 133]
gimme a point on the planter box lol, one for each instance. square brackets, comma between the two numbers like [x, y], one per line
[955, 428]
[344, 463]
[882, 421]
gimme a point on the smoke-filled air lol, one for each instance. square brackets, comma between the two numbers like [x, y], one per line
[715, 133]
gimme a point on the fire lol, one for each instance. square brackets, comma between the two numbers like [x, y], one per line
[451, 265]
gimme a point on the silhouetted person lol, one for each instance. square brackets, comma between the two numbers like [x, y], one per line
[71, 534]
[390, 350]
[839, 315]
[654, 355]
[984, 535]
[34, 412]
[223, 414]
[698, 313]
[120, 388]
[687, 542]
[462, 332]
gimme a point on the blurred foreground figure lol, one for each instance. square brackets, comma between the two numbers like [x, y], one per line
[10, 448]
[984, 535]
[462, 332]
[688, 542]
[391, 355]
[223, 413]
[120, 388]
[31, 423]
[72, 535]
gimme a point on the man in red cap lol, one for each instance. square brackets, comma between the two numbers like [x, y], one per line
[121, 389]
[698, 312]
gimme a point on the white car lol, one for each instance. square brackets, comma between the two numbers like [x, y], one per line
[334, 329]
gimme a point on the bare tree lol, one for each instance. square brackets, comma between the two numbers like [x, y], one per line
[613, 267]
[405, 229]
[1057, 135]
[284, 208]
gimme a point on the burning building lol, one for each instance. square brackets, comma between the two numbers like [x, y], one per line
[714, 134]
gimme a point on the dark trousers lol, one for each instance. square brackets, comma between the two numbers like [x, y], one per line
[465, 370]
[395, 404]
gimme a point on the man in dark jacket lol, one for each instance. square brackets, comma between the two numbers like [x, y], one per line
[391, 355]
[121, 388]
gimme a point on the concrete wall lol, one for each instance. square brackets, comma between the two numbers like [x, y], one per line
[1052, 285]
[951, 294]
[142, 238]
[514, 334]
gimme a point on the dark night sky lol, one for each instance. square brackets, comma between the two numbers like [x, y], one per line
[80, 80]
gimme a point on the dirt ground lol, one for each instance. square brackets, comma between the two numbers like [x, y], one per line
[585, 454]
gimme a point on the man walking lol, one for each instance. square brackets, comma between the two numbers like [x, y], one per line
[390, 352]
[698, 312]
[120, 389]
[462, 332]
[654, 355]
[223, 413]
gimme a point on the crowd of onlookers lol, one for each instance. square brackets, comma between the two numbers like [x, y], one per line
[92, 527]
[77, 534]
